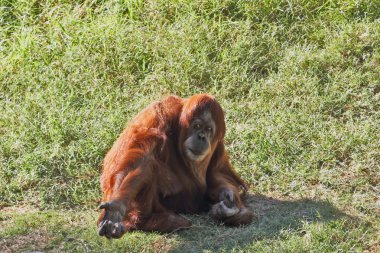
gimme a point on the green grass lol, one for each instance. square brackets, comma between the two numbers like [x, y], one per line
[299, 82]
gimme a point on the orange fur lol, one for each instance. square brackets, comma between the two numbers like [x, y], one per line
[148, 171]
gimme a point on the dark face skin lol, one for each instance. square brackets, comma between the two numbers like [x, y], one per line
[200, 135]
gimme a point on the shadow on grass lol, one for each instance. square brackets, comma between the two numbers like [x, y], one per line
[272, 217]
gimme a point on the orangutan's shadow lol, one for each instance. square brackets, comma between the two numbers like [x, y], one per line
[272, 218]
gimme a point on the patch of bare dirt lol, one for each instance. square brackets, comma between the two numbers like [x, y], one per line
[35, 241]
[161, 245]
[6, 213]
[18, 209]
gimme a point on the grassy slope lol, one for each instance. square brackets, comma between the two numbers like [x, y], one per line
[299, 81]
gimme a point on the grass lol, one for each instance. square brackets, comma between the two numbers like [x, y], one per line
[299, 82]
